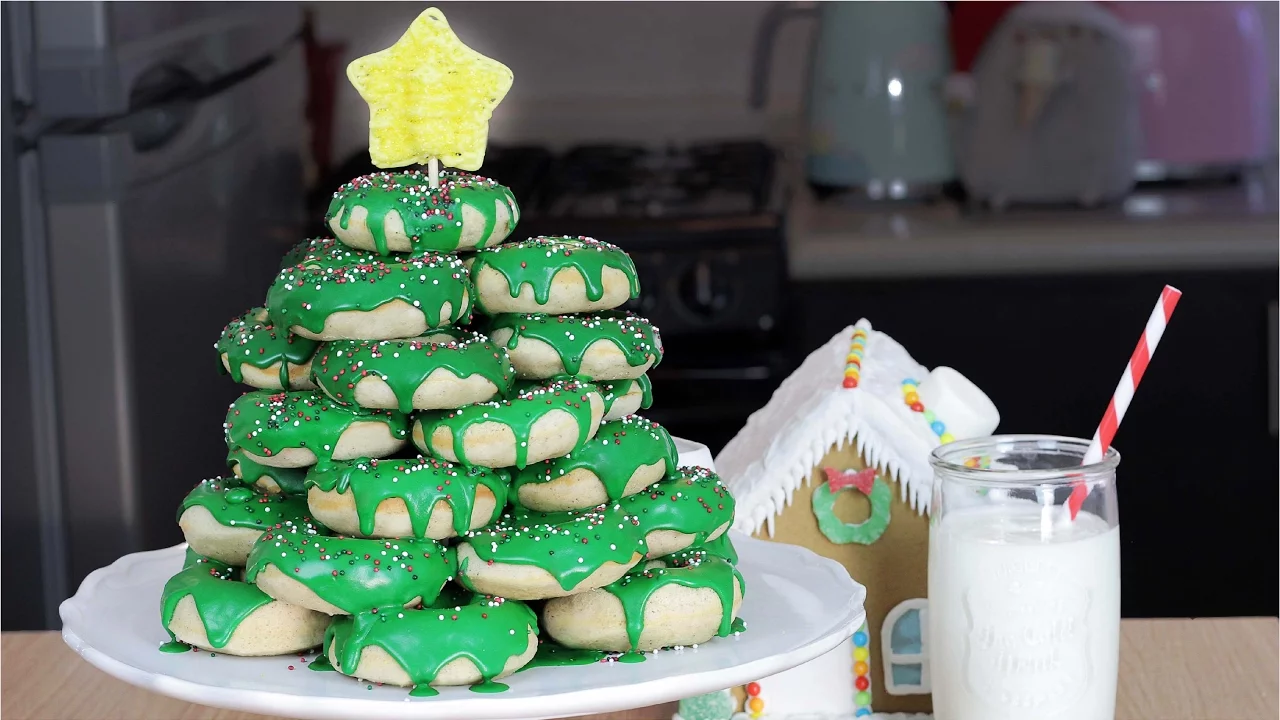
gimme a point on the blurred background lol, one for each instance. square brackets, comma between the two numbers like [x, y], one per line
[1003, 187]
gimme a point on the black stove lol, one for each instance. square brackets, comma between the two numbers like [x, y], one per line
[705, 227]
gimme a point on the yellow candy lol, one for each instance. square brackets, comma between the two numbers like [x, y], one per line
[860, 654]
[430, 97]
[947, 437]
[756, 704]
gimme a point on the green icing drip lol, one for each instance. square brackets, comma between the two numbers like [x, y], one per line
[266, 423]
[489, 686]
[420, 483]
[487, 631]
[405, 364]
[234, 504]
[569, 545]
[290, 480]
[432, 218]
[738, 625]
[534, 262]
[551, 654]
[333, 277]
[720, 547]
[355, 574]
[320, 664]
[628, 658]
[614, 389]
[222, 602]
[175, 646]
[619, 447]
[571, 335]
[693, 501]
[423, 691]
[193, 558]
[252, 340]
[519, 413]
[688, 569]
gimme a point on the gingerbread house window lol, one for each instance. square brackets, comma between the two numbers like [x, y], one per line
[904, 644]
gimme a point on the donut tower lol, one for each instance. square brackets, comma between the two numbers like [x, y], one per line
[441, 429]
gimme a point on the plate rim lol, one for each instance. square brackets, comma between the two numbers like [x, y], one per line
[576, 702]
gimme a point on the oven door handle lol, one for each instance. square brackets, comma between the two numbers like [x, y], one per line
[752, 372]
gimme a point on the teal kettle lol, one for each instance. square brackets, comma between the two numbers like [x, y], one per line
[875, 101]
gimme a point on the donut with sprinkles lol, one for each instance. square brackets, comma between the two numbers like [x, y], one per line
[387, 212]
[595, 346]
[255, 352]
[689, 507]
[553, 275]
[303, 427]
[222, 517]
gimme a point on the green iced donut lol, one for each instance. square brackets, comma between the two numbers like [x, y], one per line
[690, 507]
[598, 346]
[445, 369]
[255, 352]
[553, 274]
[388, 212]
[335, 293]
[301, 428]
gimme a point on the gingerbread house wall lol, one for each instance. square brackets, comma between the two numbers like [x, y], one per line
[893, 568]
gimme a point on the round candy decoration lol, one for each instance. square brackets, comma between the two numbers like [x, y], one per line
[399, 212]
[474, 643]
[625, 457]
[531, 556]
[340, 576]
[255, 352]
[536, 423]
[690, 507]
[335, 292]
[868, 483]
[206, 605]
[297, 429]
[441, 370]
[554, 275]
[221, 518]
[423, 498]
[604, 346]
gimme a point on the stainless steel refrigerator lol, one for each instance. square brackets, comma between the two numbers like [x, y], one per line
[152, 177]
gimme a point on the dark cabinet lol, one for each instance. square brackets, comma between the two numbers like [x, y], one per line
[1199, 479]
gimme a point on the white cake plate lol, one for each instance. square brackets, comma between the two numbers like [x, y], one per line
[797, 607]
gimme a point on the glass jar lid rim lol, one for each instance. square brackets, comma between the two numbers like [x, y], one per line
[951, 458]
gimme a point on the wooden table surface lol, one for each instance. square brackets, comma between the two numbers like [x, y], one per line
[1210, 669]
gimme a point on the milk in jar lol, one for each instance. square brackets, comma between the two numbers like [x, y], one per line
[1023, 616]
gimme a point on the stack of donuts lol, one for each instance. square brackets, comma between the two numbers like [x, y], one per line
[441, 457]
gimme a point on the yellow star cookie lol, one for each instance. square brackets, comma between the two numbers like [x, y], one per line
[429, 97]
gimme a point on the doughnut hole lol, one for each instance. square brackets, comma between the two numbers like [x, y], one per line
[568, 293]
[212, 539]
[274, 629]
[536, 359]
[375, 665]
[337, 511]
[269, 378]
[527, 582]
[285, 589]
[581, 488]
[674, 615]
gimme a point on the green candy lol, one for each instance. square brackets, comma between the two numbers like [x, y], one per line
[611, 390]
[405, 364]
[535, 262]
[693, 501]
[691, 569]
[289, 480]
[570, 335]
[568, 545]
[520, 412]
[221, 600]
[234, 504]
[332, 277]
[487, 631]
[432, 218]
[420, 483]
[265, 423]
[253, 340]
[355, 574]
[614, 454]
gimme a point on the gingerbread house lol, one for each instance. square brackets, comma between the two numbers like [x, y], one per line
[838, 461]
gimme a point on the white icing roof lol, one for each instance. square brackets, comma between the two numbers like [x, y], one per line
[812, 410]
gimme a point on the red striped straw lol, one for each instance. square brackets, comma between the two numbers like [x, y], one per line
[1124, 391]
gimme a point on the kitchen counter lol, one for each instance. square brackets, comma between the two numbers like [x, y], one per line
[1220, 669]
[1225, 228]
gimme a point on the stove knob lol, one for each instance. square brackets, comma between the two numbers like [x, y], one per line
[704, 292]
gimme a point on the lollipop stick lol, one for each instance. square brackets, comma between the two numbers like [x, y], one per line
[433, 173]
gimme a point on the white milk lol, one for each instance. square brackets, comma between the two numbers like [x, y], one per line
[1020, 629]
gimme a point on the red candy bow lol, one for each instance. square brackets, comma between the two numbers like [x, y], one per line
[838, 480]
